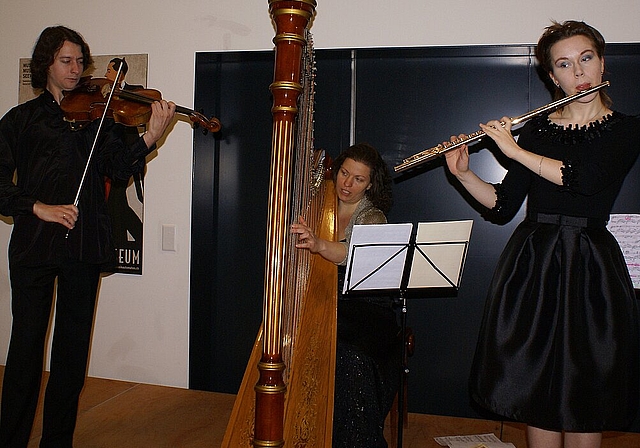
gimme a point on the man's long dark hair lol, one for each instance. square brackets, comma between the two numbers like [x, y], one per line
[49, 43]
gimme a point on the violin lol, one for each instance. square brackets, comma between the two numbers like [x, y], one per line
[130, 107]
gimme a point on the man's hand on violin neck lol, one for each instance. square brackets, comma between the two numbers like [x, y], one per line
[162, 114]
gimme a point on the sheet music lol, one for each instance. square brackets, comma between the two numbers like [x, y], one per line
[377, 253]
[626, 229]
[475, 438]
[481, 445]
[441, 249]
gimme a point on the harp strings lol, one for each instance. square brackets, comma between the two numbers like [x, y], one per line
[308, 189]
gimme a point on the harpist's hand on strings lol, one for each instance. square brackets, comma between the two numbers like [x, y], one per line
[67, 215]
[306, 237]
[329, 250]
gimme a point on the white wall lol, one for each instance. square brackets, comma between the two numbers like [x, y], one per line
[142, 332]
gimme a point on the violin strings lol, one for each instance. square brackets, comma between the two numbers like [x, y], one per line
[136, 96]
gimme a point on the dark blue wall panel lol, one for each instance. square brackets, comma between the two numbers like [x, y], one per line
[401, 100]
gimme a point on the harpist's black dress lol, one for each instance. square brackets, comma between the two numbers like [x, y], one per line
[367, 357]
[558, 345]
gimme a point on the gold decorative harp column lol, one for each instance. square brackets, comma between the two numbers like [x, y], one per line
[286, 395]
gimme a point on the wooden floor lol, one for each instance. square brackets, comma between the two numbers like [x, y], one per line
[124, 414]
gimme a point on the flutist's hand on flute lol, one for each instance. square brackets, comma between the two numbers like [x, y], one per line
[458, 160]
[458, 164]
[500, 133]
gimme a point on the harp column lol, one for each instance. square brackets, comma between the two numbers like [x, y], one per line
[291, 19]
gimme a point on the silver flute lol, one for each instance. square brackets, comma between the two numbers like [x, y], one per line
[428, 154]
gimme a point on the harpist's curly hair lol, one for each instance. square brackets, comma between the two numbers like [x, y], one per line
[49, 43]
[380, 192]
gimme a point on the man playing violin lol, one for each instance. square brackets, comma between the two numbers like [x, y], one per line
[57, 240]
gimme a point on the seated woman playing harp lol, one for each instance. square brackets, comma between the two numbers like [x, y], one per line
[367, 365]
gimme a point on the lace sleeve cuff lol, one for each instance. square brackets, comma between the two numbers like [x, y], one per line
[501, 201]
[570, 174]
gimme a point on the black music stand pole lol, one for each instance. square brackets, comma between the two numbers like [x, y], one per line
[404, 361]
[404, 368]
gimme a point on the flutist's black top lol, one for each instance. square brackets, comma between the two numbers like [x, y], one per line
[596, 160]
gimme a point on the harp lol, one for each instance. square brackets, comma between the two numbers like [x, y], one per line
[286, 394]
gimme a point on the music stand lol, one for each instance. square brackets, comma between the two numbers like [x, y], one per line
[384, 257]
[376, 259]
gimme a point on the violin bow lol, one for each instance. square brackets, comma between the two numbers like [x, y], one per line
[76, 201]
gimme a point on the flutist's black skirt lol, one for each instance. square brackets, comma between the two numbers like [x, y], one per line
[558, 345]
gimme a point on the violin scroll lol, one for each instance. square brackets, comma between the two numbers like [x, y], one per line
[199, 119]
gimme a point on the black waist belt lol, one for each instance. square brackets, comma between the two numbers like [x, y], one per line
[563, 220]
